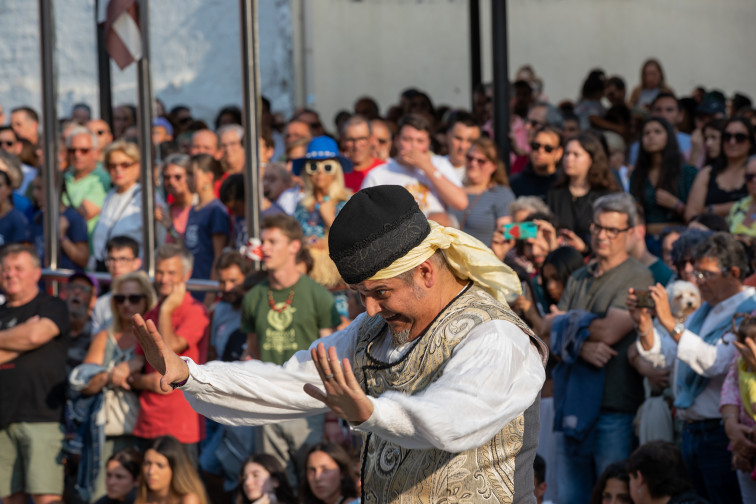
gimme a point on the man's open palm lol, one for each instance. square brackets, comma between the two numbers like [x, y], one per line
[163, 359]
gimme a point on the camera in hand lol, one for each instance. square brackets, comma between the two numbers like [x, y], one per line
[644, 299]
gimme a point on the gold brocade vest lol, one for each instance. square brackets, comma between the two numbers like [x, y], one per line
[393, 474]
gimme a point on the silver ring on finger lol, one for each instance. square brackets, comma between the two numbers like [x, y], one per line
[329, 376]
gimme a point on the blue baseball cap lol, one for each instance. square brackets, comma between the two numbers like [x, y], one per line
[163, 122]
[319, 149]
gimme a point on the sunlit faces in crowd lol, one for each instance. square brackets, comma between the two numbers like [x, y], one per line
[459, 138]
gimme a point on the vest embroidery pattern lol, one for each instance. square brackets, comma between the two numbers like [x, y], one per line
[393, 474]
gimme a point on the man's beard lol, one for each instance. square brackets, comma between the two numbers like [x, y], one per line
[400, 338]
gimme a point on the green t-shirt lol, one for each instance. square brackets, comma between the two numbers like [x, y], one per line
[88, 188]
[623, 386]
[283, 332]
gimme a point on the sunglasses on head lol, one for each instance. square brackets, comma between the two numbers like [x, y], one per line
[132, 298]
[537, 146]
[739, 137]
[313, 167]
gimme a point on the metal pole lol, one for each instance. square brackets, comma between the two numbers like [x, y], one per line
[49, 131]
[475, 67]
[501, 77]
[251, 95]
[144, 122]
[103, 70]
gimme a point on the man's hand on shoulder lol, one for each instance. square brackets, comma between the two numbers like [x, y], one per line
[159, 355]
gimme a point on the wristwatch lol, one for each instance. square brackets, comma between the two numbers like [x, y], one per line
[678, 330]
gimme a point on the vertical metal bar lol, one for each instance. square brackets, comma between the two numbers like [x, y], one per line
[103, 70]
[475, 66]
[144, 122]
[251, 96]
[501, 77]
[49, 131]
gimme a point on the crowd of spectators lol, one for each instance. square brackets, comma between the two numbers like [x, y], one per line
[629, 221]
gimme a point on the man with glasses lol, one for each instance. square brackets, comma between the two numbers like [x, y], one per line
[597, 428]
[85, 187]
[541, 171]
[699, 352]
[356, 143]
[122, 257]
[11, 143]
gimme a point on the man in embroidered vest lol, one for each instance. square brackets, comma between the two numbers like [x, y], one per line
[439, 375]
[700, 352]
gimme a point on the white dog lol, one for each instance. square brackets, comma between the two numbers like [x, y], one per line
[684, 299]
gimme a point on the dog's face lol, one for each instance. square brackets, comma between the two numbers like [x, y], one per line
[684, 299]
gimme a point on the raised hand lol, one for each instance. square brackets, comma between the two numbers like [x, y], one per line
[159, 355]
[343, 394]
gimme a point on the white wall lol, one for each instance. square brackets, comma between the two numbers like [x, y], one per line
[379, 47]
[195, 50]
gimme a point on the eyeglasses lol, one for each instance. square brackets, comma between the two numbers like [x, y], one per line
[119, 260]
[132, 298]
[356, 140]
[476, 160]
[703, 276]
[534, 123]
[7, 143]
[538, 146]
[82, 150]
[178, 176]
[739, 137]
[86, 289]
[313, 167]
[122, 166]
[383, 141]
[611, 232]
[750, 177]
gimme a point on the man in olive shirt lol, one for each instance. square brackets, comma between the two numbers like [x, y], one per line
[601, 289]
[281, 315]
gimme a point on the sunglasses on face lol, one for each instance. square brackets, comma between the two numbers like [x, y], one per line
[739, 137]
[82, 150]
[313, 167]
[538, 146]
[750, 177]
[122, 166]
[475, 160]
[131, 298]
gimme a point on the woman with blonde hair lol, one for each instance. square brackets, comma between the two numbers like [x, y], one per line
[322, 171]
[488, 192]
[112, 349]
[168, 476]
[121, 212]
